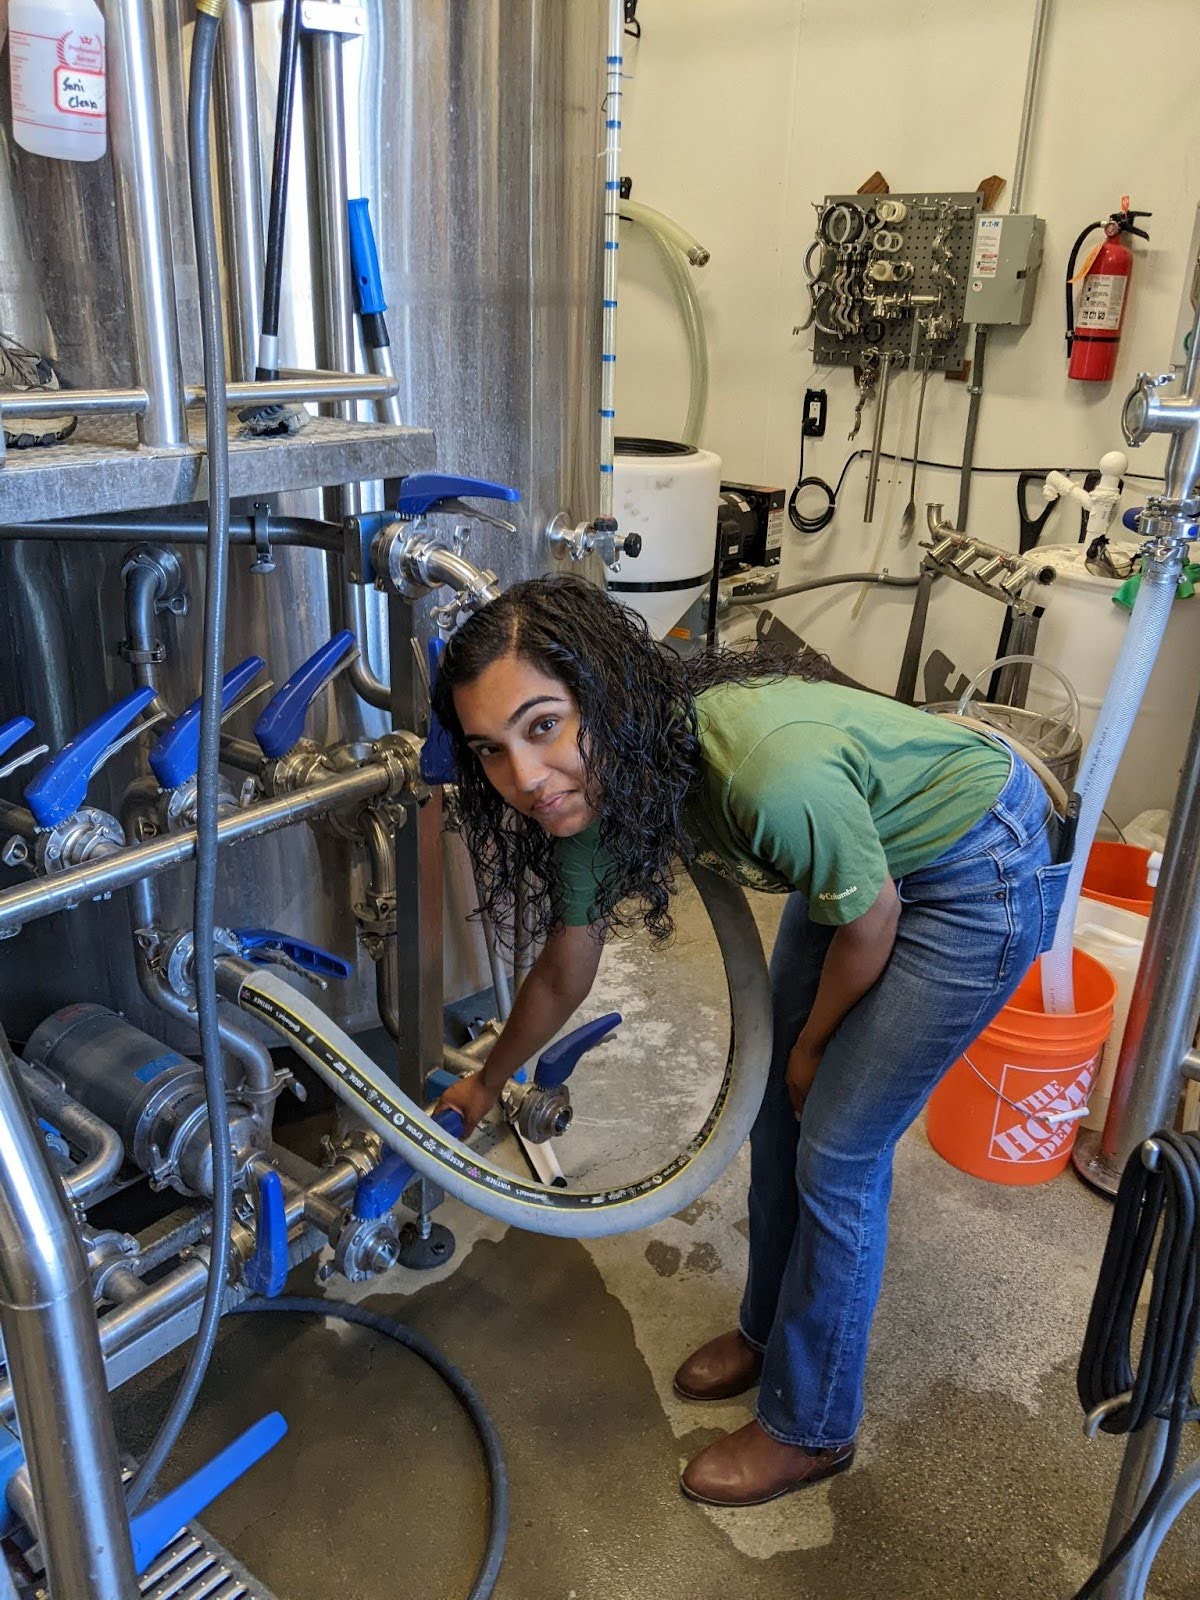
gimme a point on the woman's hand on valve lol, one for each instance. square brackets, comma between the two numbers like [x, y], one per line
[472, 1097]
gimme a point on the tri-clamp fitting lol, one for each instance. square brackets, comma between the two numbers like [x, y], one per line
[413, 558]
[600, 537]
[403, 553]
[1146, 412]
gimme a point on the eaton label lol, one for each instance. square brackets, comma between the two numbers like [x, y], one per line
[986, 260]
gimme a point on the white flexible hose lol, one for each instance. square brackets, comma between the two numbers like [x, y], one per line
[667, 228]
[471, 1177]
[688, 302]
[1126, 689]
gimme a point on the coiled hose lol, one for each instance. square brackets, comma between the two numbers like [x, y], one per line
[204, 47]
[1135, 663]
[478, 1182]
[1155, 1227]
[493, 1451]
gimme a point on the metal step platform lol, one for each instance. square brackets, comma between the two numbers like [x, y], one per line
[101, 468]
[197, 1567]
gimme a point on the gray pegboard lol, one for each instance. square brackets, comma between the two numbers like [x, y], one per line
[843, 274]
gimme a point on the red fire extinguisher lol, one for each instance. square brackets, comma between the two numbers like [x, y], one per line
[1094, 327]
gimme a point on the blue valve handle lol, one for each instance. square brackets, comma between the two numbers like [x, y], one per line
[176, 755]
[364, 260]
[558, 1062]
[309, 957]
[422, 491]
[10, 732]
[282, 722]
[382, 1187]
[266, 1271]
[60, 787]
[438, 764]
[154, 1529]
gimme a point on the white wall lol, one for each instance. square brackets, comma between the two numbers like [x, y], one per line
[742, 113]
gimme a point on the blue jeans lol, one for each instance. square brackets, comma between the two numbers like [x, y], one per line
[970, 926]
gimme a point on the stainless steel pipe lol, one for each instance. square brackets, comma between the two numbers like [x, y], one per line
[100, 1143]
[84, 403]
[32, 901]
[336, 340]
[136, 1327]
[323, 387]
[57, 1377]
[380, 845]
[335, 386]
[139, 145]
[885, 368]
[257, 1089]
[241, 191]
[307, 533]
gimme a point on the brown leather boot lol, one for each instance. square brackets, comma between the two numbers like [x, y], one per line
[724, 1367]
[749, 1467]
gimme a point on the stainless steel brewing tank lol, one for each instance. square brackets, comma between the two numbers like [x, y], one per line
[480, 131]
[475, 131]
[480, 138]
[61, 605]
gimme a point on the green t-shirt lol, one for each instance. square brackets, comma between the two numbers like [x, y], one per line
[816, 788]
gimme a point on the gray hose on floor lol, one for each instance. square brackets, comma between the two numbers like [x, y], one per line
[464, 1391]
[470, 1176]
[204, 46]
[809, 584]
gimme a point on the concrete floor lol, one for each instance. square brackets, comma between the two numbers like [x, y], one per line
[973, 1480]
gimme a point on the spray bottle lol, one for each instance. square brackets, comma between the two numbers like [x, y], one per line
[59, 82]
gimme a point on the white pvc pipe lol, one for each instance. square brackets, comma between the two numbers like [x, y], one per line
[1151, 612]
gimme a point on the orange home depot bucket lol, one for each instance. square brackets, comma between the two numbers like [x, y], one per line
[996, 1112]
[1116, 873]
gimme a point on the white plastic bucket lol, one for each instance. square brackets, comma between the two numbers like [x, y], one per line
[1114, 937]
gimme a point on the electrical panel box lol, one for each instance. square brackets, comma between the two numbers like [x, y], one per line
[1002, 279]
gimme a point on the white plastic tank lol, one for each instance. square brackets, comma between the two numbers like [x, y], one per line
[1081, 634]
[669, 493]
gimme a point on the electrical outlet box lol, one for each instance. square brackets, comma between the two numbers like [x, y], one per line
[816, 403]
[1006, 253]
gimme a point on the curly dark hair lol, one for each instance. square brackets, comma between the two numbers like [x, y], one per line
[638, 735]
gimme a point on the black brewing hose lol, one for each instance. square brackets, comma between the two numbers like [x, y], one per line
[463, 1390]
[204, 45]
[289, 50]
[1155, 1227]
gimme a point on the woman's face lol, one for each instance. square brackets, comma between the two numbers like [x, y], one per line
[524, 729]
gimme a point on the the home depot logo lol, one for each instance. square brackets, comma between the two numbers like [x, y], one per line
[1026, 1126]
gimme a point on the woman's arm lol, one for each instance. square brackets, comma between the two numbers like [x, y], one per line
[856, 956]
[558, 983]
